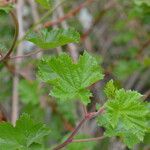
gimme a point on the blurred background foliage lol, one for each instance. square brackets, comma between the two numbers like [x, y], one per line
[117, 32]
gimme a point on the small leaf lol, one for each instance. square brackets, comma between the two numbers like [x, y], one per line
[110, 89]
[126, 115]
[69, 79]
[23, 136]
[51, 39]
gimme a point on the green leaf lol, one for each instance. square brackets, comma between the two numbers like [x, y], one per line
[51, 39]
[29, 92]
[23, 136]
[45, 72]
[110, 89]
[70, 79]
[125, 116]
[147, 138]
[45, 3]
[140, 2]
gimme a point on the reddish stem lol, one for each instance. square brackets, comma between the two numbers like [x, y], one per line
[15, 37]
[70, 138]
[26, 55]
[88, 116]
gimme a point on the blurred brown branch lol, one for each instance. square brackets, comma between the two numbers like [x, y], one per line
[70, 14]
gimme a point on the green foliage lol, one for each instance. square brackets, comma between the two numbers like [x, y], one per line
[33, 110]
[142, 12]
[45, 3]
[5, 79]
[125, 116]
[27, 134]
[140, 2]
[124, 37]
[29, 92]
[122, 69]
[6, 32]
[45, 72]
[61, 118]
[110, 89]
[70, 79]
[51, 39]
[146, 62]
[6, 8]
[63, 109]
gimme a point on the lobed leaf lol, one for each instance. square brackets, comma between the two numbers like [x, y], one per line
[51, 39]
[70, 80]
[125, 116]
[25, 135]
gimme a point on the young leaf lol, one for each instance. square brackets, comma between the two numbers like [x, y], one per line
[69, 79]
[29, 92]
[110, 89]
[125, 116]
[51, 39]
[23, 136]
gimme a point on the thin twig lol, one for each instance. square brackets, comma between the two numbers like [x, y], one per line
[88, 140]
[70, 138]
[75, 131]
[85, 110]
[97, 19]
[26, 55]
[15, 37]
